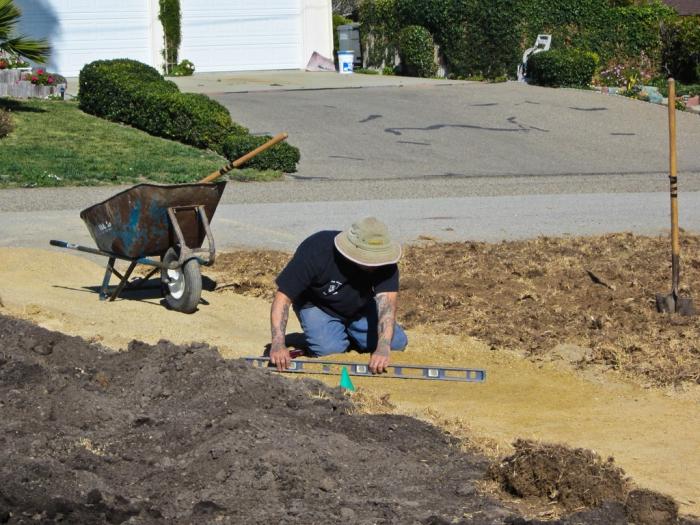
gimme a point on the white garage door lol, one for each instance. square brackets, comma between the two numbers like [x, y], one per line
[236, 35]
[81, 31]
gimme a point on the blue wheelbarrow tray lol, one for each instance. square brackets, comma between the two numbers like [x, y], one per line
[135, 223]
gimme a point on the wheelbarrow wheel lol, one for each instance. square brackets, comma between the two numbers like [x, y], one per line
[182, 287]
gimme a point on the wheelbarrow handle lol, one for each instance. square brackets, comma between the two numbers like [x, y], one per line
[245, 158]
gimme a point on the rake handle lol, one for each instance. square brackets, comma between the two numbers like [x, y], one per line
[673, 176]
[245, 158]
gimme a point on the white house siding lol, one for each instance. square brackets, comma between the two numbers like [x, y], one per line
[217, 35]
[81, 31]
[226, 35]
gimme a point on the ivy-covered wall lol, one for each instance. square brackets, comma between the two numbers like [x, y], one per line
[488, 37]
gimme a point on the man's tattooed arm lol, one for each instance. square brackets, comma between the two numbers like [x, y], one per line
[386, 315]
[279, 315]
[386, 318]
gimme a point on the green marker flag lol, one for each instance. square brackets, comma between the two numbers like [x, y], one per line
[345, 381]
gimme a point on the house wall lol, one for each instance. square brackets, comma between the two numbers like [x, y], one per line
[218, 35]
[317, 29]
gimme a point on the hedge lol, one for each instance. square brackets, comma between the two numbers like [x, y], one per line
[282, 156]
[417, 52]
[488, 37]
[562, 67]
[127, 91]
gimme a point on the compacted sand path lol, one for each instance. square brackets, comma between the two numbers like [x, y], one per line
[653, 435]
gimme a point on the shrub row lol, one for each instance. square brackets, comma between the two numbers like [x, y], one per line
[128, 91]
[136, 94]
[562, 67]
[283, 157]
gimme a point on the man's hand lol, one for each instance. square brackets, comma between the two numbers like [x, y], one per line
[281, 357]
[378, 362]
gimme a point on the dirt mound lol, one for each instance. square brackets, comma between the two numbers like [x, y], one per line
[573, 477]
[579, 478]
[176, 434]
[593, 292]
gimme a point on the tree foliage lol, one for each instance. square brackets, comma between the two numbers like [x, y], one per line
[10, 42]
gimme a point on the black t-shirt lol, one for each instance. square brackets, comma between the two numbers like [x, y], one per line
[318, 275]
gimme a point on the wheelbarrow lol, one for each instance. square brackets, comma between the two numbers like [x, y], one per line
[170, 222]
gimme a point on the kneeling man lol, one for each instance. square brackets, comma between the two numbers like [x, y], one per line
[343, 287]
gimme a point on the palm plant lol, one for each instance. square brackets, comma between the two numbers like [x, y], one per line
[36, 50]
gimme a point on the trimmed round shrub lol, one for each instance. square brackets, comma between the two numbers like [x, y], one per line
[562, 67]
[108, 87]
[417, 52]
[6, 123]
[127, 91]
[282, 156]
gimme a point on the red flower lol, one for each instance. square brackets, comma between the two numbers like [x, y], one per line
[35, 79]
[40, 71]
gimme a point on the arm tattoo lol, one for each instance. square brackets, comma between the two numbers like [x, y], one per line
[279, 318]
[386, 315]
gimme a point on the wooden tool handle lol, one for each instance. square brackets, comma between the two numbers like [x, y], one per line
[245, 158]
[675, 235]
[673, 165]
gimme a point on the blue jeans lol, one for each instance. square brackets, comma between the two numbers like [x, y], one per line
[327, 335]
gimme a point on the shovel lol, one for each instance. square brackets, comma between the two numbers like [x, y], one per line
[673, 303]
[245, 158]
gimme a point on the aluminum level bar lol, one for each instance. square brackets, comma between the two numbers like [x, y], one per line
[431, 373]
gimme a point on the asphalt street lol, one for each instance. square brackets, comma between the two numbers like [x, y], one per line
[474, 130]
[468, 161]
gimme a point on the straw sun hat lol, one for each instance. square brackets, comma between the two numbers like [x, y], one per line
[367, 242]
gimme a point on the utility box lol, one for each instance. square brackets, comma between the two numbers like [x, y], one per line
[349, 40]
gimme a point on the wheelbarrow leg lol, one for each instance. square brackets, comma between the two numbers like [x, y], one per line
[105, 281]
[123, 282]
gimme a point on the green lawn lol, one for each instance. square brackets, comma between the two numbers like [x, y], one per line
[56, 144]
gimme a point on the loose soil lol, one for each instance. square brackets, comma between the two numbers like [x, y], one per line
[652, 433]
[177, 434]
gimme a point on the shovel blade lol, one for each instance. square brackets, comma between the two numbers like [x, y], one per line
[671, 304]
[685, 306]
[665, 304]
